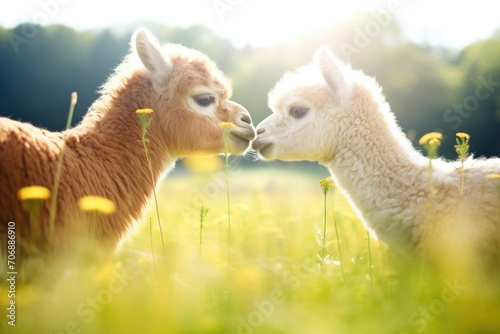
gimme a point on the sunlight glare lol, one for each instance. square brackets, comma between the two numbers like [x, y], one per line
[272, 22]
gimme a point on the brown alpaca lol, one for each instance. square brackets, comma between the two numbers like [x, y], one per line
[103, 155]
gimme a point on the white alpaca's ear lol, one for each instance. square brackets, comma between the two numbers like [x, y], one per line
[333, 71]
[149, 51]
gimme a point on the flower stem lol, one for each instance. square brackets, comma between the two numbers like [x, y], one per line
[462, 178]
[152, 249]
[150, 165]
[145, 119]
[323, 247]
[228, 195]
[429, 177]
[57, 177]
[34, 213]
[462, 149]
[203, 213]
[325, 186]
[369, 256]
[339, 248]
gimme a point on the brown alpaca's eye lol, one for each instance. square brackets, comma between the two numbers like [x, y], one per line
[297, 113]
[204, 100]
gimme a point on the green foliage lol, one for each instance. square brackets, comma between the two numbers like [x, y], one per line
[481, 91]
[423, 85]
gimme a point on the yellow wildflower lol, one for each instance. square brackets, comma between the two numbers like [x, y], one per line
[429, 136]
[144, 111]
[431, 142]
[434, 142]
[226, 124]
[462, 146]
[494, 176]
[326, 185]
[203, 164]
[96, 204]
[33, 193]
[74, 98]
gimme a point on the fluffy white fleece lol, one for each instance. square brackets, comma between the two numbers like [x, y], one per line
[348, 127]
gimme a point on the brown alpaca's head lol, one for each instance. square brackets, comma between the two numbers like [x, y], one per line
[191, 99]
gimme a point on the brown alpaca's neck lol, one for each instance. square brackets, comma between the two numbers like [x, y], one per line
[108, 148]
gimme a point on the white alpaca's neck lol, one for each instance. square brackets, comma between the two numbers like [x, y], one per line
[379, 170]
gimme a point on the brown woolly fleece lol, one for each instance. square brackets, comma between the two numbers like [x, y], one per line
[103, 155]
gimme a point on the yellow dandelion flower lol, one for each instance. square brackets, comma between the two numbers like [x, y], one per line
[326, 185]
[494, 176]
[33, 193]
[96, 204]
[74, 98]
[429, 136]
[434, 142]
[463, 135]
[203, 164]
[144, 111]
[226, 124]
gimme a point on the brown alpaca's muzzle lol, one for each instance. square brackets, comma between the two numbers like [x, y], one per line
[242, 132]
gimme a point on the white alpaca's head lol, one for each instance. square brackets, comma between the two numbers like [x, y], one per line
[306, 104]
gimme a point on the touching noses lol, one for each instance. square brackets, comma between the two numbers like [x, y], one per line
[243, 122]
[261, 127]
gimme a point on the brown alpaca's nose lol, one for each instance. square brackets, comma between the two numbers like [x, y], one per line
[245, 118]
[260, 131]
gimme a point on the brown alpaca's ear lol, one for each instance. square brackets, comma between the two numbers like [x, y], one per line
[150, 53]
[333, 71]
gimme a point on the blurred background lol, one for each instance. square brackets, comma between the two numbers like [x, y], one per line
[438, 64]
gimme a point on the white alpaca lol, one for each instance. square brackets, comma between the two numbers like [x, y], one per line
[329, 113]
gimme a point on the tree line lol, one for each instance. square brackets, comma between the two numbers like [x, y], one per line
[428, 88]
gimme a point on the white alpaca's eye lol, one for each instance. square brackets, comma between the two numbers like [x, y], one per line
[297, 112]
[204, 100]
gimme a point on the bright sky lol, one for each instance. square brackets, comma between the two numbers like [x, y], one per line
[263, 22]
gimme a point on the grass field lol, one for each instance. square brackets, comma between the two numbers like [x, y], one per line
[271, 274]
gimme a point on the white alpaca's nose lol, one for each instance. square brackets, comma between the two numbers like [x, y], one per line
[262, 140]
[262, 128]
